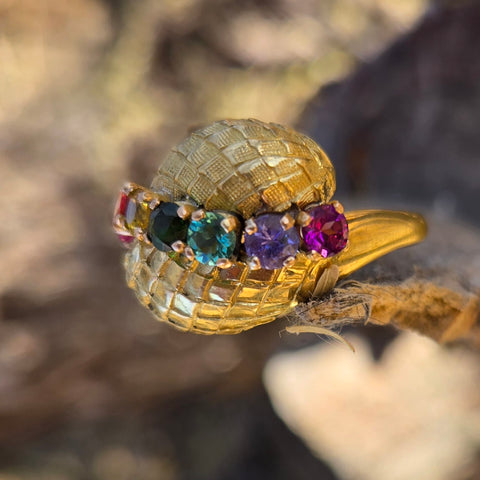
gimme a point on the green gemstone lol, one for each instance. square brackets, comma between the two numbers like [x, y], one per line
[166, 227]
[209, 240]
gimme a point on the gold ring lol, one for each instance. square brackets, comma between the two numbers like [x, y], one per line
[238, 227]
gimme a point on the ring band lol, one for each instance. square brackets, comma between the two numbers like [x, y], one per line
[238, 227]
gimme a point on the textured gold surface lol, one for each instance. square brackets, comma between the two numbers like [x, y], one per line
[248, 166]
[202, 299]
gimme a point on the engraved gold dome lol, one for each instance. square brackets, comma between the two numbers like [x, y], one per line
[247, 167]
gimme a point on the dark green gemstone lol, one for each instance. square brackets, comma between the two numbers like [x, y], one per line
[166, 227]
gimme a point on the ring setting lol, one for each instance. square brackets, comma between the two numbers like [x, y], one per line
[216, 238]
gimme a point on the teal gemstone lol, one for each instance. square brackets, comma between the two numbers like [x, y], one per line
[166, 227]
[209, 240]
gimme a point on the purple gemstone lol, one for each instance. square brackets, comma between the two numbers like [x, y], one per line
[271, 243]
[327, 233]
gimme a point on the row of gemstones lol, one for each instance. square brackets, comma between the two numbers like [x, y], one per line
[270, 240]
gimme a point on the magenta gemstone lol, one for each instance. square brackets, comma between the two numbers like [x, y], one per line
[327, 233]
[125, 239]
[271, 244]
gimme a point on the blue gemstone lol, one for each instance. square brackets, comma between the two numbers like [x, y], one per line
[271, 244]
[209, 240]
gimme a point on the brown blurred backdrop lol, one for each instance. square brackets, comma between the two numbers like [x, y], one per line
[93, 93]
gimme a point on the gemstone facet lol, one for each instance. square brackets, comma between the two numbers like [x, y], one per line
[270, 243]
[165, 226]
[122, 203]
[209, 240]
[327, 233]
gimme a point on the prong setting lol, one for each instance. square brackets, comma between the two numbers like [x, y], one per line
[250, 226]
[338, 206]
[230, 223]
[178, 246]
[154, 203]
[314, 256]
[185, 210]
[150, 218]
[119, 224]
[198, 215]
[287, 221]
[140, 234]
[129, 187]
[288, 262]
[254, 263]
[224, 263]
[188, 252]
[303, 219]
[146, 197]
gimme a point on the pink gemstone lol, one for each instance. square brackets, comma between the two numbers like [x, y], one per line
[327, 233]
[124, 204]
[125, 239]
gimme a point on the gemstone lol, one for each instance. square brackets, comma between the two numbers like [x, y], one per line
[130, 213]
[166, 227]
[125, 239]
[134, 213]
[209, 240]
[122, 203]
[327, 233]
[271, 244]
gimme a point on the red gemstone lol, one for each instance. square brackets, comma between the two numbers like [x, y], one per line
[327, 233]
[122, 204]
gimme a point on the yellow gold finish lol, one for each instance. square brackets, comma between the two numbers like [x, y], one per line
[198, 215]
[229, 223]
[250, 226]
[188, 252]
[314, 255]
[374, 233]
[178, 246]
[287, 221]
[249, 167]
[185, 210]
[224, 263]
[245, 166]
[289, 262]
[338, 206]
[304, 218]
[129, 187]
[253, 263]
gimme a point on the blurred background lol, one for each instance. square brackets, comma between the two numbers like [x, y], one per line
[95, 92]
